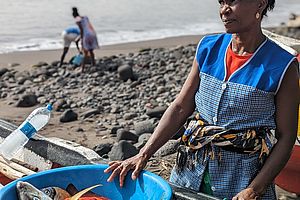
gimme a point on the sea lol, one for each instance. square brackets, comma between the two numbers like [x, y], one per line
[37, 24]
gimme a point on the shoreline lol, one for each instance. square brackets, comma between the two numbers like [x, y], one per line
[21, 59]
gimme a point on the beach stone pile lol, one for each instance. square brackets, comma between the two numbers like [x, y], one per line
[126, 95]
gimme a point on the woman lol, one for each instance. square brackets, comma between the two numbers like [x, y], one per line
[88, 36]
[245, 90]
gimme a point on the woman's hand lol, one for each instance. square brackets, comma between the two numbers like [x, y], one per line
[246, 194]
[121, 168]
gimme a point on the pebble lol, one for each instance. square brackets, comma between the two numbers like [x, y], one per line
[128, 92]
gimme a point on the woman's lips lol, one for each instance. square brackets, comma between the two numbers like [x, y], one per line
[227, 21]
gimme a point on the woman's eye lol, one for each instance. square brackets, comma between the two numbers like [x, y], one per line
[228, 2]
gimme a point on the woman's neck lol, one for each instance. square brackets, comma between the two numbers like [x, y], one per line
[243, 44]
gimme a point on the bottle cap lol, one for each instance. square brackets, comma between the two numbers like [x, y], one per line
[49, 107]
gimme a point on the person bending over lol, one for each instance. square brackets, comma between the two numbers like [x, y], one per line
[69, 35]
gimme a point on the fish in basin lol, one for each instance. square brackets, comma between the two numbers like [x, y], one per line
[84, 194]
[27, 191]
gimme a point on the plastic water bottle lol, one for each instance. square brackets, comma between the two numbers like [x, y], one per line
[19, 137]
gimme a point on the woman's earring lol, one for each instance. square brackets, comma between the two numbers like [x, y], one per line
[257, 15]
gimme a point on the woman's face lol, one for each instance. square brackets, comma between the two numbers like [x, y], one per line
[239, 15]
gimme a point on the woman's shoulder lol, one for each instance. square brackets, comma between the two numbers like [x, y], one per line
[211, 43]
[279, 52]
[283, 47]
[211, 40]
[216, 35]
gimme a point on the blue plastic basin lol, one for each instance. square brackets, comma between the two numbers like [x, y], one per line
[147, 186]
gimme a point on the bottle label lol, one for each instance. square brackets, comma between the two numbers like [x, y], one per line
[28, 130]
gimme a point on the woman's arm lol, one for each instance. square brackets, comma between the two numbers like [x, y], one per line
[77, 46]
[81, 34]
[174, 117]
[287, 105]
[78, 22]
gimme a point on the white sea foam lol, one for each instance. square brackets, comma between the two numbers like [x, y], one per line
[37, 25]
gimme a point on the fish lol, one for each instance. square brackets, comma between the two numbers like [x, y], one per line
[86, 196]
[93, 198]
[56, 193]
[27, 191]
[82, 192]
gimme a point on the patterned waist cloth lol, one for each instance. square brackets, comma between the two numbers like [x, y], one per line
[199, 134]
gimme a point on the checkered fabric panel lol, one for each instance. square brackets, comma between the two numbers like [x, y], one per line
[234, 105]
[233, 173]
[188, 178]
[229, 175]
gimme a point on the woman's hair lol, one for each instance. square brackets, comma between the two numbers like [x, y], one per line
[270, 6]
[75, 12]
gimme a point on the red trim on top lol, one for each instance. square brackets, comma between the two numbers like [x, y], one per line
[298, 57]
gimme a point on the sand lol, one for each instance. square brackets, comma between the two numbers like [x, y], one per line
[89, 137]
[29, 58]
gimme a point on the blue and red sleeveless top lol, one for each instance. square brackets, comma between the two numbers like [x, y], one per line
[246, 99]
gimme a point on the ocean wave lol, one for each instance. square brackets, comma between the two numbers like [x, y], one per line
[111, 37]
